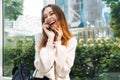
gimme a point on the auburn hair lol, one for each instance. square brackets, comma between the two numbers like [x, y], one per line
[63, 23]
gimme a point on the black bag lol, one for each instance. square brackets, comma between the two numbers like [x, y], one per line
[21, 72]
[45, 78]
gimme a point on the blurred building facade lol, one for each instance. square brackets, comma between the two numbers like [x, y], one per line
[84, 13]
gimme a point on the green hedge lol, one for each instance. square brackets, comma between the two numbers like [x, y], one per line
[95, 60]
[14, 55]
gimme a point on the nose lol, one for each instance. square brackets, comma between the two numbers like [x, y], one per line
[48, 19]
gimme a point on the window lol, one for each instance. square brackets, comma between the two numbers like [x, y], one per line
[85, 13]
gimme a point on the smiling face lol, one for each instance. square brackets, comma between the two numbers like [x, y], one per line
[50, 18]
[55, 18]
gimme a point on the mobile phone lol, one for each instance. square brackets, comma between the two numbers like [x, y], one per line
[48, 28]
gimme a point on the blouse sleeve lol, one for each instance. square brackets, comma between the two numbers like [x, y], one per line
[45, 58]
[65, 57]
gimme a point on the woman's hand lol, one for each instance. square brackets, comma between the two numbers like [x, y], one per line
[49, 33]
[59, 34]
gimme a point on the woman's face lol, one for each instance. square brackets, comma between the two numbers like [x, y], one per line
[50, 18]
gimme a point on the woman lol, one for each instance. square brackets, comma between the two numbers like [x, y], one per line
[55, 48]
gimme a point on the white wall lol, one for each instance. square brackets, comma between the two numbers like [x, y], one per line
[33, 7]
[49, 2]
[0, 38]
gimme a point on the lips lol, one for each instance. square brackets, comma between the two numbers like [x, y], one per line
[51, 23]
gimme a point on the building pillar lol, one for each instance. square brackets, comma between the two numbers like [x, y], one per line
[1, 46]
[83, 13]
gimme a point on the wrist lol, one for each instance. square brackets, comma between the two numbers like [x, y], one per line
[50, 44]
[58, 39]
[57, 42]
[50, 41]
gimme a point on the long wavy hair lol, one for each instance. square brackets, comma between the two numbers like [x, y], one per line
[63, 23]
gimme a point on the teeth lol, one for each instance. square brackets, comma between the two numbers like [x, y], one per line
[51, 22]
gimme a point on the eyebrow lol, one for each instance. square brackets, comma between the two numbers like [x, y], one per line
[49, 12]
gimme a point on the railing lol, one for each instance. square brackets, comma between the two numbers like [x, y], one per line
[96, 32]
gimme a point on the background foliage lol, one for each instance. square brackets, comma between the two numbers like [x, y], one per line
[95, 60]
[115, 15]
[13, 8]
[22, 52]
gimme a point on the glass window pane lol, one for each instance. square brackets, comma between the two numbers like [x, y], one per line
[85, 13]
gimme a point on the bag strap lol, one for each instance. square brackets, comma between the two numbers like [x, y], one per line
[35, 72]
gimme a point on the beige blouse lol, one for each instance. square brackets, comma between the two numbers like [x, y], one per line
[54, 62]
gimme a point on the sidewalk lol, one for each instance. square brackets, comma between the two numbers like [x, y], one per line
[5, 78]
[1, 77]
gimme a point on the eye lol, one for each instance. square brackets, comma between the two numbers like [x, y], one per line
[51, 13]
[45, 16]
